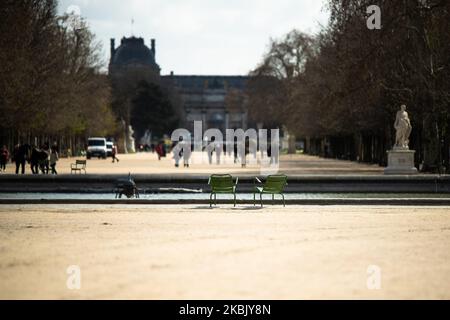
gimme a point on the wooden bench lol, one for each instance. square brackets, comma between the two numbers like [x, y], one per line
[78, 166]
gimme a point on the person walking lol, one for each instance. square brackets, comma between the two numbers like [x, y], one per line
[187, 151]
[114, 153]
[177, 153]
[218, 148]
[20, 157]
[54, 157]
[4, 157]
[34, 160]
[210, 145]
[44, 159]
[160, 150]
[235, 151]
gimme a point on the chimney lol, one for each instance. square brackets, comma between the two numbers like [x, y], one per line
[113, 47]
[153, 47]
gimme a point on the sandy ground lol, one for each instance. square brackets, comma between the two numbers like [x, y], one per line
[193, 252]
[147, 163]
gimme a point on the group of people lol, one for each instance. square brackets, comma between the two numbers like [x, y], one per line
[182, 150]
[44, 159]
[41, 159]
[177, 152]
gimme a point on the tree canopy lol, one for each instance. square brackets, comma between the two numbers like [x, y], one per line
[50, 79]
[151, 109]
[350, 80]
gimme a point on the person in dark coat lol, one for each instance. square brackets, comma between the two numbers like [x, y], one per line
[20, 157]
[34, 160]
[160, 150]
[114, 154]
[44, 163]
[4, 157]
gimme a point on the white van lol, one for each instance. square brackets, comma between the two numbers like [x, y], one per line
[96, 148]
[109, 146]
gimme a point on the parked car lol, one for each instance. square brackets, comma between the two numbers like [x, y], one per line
[96, 148]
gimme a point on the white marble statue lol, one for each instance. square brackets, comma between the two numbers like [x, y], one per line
[130, 142]
[403, 129]
[147, 138]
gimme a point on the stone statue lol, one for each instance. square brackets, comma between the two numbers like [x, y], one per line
[401, 159]
[130, 140]
[124, 130]
[403, 129]
[147, 138]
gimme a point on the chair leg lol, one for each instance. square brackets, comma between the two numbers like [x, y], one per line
[210, 200]
[284, 203]
[254, 199]
[215, 199]
[234, 199]
[260, 198]
[273, 199]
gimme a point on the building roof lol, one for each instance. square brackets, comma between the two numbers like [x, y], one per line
[133, 51]
[207, 81]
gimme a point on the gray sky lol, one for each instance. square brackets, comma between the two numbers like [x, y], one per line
[200, 36]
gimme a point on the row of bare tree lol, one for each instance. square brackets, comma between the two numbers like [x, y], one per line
[50, 80]
[339, 90]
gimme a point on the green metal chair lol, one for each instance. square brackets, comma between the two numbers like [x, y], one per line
[222, 183]
[274, 185]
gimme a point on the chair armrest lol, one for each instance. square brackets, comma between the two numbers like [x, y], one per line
[237, 180]
[209, 180]
[257, 180]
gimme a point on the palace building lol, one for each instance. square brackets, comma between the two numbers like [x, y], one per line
[218, 101]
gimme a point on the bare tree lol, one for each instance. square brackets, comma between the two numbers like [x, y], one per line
[50, 84]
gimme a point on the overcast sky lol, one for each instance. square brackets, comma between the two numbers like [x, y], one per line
[220, 37]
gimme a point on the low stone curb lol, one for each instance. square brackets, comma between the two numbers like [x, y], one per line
[318, 202]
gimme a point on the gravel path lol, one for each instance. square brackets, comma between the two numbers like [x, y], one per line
[147, 163]
[192, 252]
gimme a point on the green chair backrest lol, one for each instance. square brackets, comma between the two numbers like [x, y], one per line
[275, 183]
[221, 182]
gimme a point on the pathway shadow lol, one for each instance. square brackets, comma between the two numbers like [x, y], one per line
[250, 208]
[203, 208]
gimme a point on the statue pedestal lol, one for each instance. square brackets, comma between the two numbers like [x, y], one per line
[401, 161]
